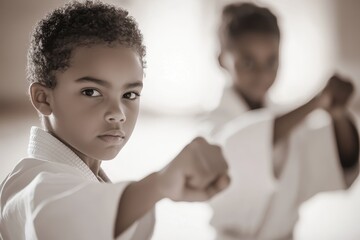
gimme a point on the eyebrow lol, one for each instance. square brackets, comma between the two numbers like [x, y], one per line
[94, 80]
[107, 84]
[134, 84]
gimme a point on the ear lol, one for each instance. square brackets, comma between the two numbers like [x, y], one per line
[221, 59]
[225, 60]
[40, 98]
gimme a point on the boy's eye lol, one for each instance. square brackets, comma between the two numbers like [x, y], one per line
[131, 95]
[91, 93]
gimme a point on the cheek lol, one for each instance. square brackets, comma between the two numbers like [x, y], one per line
[244, 80]
[131, 117]
[242, 75]
[76, 116]
[271, 77]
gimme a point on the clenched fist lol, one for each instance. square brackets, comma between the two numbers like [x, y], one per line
[336, 94]
[197, 173]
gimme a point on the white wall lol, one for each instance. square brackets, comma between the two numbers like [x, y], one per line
[348, 39]
[17, 19]
[318, 37]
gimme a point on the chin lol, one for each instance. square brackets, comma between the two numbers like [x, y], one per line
[107, 159]
[109, 154]
[259, 96]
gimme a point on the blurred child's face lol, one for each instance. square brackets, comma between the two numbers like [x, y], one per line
[95, 103]
[253, 64]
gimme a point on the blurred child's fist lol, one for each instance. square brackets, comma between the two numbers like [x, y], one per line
[197, 173]
[336, 94]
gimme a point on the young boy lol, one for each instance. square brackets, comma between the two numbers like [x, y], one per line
[85, 66]
[276, 160]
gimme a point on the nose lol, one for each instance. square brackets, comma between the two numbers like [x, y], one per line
[264, 76]
[115, 113]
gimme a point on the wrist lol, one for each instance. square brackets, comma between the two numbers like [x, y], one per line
[147, 188]
[168, 183]
[157, 186]
[337, 113]
[322, 101]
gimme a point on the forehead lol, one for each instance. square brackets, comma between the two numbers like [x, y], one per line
[256, 44]
[105, 62]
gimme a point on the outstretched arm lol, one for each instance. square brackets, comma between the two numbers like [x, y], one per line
[333, 98]
[137, 199]
[196, 174]
[286, 123]
[347, 137]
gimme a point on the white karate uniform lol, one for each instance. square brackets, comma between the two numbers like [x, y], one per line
[257, 205]
[53, 194]
[331, 216]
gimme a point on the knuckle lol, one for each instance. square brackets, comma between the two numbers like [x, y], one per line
[199, 140]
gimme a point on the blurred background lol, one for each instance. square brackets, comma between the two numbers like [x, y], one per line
[183, 80]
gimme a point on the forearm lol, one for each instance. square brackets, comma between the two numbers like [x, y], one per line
[138, 198]
[197, 173]
[285, 124]
[347, 139]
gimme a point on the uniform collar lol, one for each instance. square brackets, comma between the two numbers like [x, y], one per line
[235, 103]
[44, 146]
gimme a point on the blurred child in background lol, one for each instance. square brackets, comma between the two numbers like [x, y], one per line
[277, 159]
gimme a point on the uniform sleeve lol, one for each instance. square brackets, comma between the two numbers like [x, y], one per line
[230, 107]
[332, 215]
[320, 160]
[247, 144]
[66, 207]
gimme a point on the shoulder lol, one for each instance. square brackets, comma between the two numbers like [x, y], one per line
[230, 106]
[29, 167]
[232, 102]
[31, 171]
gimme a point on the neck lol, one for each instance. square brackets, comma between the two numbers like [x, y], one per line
[251, 103]
[92, 163]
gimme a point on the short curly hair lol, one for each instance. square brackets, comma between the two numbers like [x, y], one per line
[242, 18]
[78, 24]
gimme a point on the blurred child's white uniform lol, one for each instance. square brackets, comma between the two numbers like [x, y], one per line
[331, 215]
[53, 194]
[257, 205]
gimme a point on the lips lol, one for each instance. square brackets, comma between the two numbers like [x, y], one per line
[113, 136]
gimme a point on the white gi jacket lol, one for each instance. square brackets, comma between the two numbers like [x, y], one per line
[257, 205]
[53, 194]
[331, 215]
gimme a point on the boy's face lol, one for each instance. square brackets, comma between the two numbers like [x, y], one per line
[95, 103]
[253, 64]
